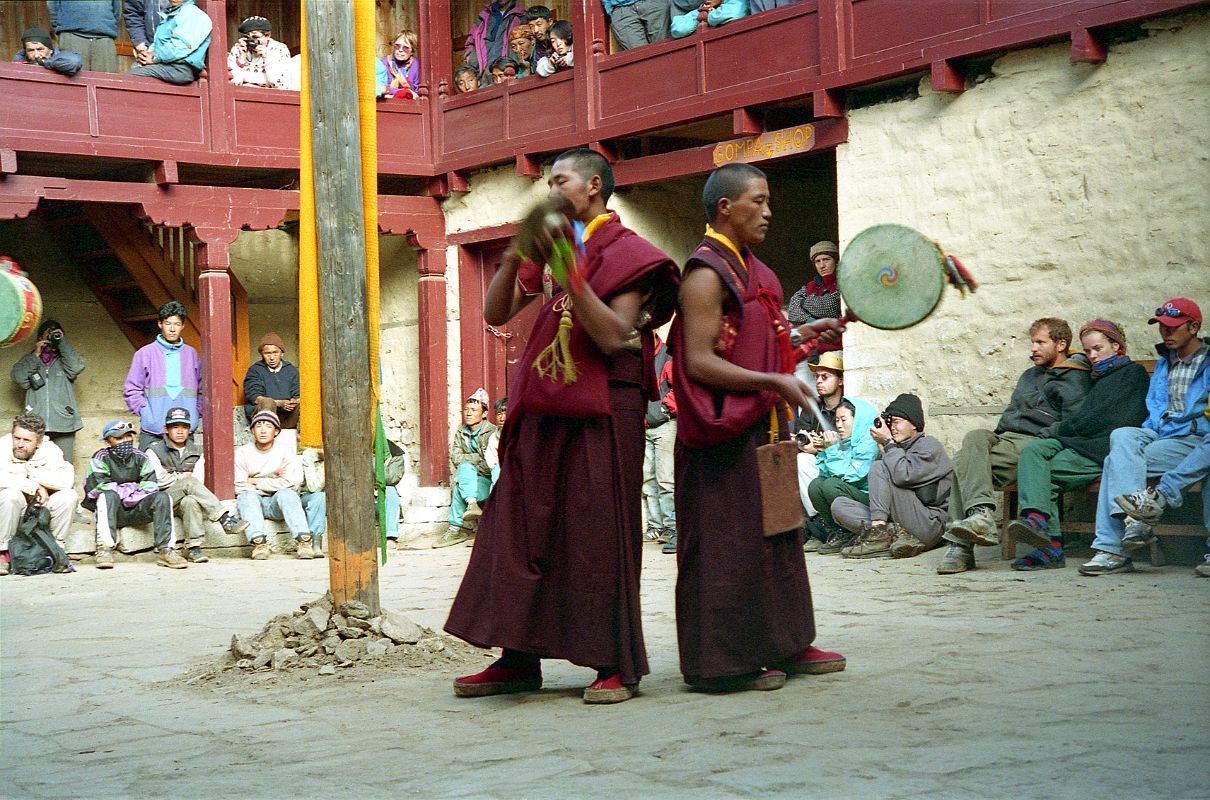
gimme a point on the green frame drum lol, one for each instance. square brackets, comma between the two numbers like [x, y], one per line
[20, 304]
[891, 276]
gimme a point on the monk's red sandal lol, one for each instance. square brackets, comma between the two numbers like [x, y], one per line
[814, 661]
[499, 680]
[605, 690]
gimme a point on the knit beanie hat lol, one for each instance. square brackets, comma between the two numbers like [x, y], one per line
[1113, 332]
[39, 35]
[907, 406]
[255, 24]
[824, 247]
[265, 416]
[273, 339]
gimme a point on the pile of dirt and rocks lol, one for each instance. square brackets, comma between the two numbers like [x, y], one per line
[322, 639]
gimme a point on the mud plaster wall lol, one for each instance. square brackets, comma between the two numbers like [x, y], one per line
[1075, 191]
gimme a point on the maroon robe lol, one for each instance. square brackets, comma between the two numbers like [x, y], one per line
[555, 568]
[743, 601]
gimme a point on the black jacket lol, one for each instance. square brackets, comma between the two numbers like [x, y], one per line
[1117, 399]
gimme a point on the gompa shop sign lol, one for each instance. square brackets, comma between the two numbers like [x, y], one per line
[773, 144]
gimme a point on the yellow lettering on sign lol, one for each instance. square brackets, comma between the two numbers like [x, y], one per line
[772, 144]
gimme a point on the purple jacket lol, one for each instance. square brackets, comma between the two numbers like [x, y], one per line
[482, 39]
[145, 390]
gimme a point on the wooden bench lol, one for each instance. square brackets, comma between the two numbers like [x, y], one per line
[1008, 545]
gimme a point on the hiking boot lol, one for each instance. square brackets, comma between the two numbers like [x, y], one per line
[906, 545]
[1031, 531]
[814, 661]
[104, 558]
[957, 558]
[838, 540]
[169, 557]
[196, 556]
[473, 511]
[811, 545]
[1104, 563]
[454, 535]
[669, 547]
[874, 542]
[317, 546]
[260, 548]
[1137, 534]
[499, 680]
[1202, 570]
[977, 527]
[1147, 505]
[607, 690]
[304, 547]
[232, 523]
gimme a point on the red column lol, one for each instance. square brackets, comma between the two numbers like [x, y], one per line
[434, 378]
[214, 301]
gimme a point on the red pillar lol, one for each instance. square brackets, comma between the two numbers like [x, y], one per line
[434, 378]
[214, 301]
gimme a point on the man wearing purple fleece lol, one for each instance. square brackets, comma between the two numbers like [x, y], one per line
[164, 374]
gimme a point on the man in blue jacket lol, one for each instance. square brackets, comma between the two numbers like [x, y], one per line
[1176, 423]
[88, 27]
[178, 51]
[38, 51]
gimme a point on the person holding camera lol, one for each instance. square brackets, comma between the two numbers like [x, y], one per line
[256, 58]
[48, 375]
[909, 488]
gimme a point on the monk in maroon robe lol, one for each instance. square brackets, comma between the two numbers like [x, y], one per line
[743, 603]
[555, 569]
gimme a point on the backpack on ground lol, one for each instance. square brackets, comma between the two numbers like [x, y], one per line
[33, 549]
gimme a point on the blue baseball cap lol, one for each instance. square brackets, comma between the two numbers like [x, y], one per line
[119, 427]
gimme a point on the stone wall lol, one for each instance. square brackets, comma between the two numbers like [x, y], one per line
[1075, 191]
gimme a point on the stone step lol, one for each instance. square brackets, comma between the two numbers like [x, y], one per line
[431, 496]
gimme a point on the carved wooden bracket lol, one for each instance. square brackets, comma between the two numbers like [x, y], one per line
[946, 77]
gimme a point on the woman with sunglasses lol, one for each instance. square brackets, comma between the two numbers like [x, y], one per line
[398, 72]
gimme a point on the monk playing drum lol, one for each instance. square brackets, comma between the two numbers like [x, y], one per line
[743, 603]
[555, 569]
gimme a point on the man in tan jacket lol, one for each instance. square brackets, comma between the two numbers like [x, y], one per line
[32, 468]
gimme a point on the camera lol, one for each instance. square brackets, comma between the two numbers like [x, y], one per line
[251, 44]
[801, 439]
[55, 338]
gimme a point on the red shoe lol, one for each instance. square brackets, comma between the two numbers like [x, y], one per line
[499, 680]
[609, 690]
[765, 681]
[814, 661]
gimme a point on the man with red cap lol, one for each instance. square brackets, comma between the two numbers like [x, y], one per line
[1176, 423]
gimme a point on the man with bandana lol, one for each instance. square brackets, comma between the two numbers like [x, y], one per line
[121, 487]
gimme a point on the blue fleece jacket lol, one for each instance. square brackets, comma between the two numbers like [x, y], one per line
[183, 36]
[850, 459]
[1194, 419]
[92, 18]
[62, 61]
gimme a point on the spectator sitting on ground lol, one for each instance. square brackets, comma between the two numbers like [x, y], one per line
[538, 19]
[32, 469]
[314, 501]
[472, 479]
[909, 488]
[178, 51]
[492, 454]
[1175, 426]
[521, 42]
[266, 485]
[274, 382]
[829, 384]
[466, 79]
[122, 489]
[163, 374]
[180, 470]
[488, 39]
[39, 52]
[635, 23]
[1046, 394]
[818, 298]
[844, 466]
[1145, 507]
[560, 57]
[1070, 456]
[720, 12]
[48, 375]
[500, 70]
[88, 27]
[257, 59]
[398, 72]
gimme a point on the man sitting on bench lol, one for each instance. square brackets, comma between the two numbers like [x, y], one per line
[1176, 424]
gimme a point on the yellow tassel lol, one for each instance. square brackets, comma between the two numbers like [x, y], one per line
[556, 358]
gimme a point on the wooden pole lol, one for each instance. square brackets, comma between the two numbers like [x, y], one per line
[343, 311]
